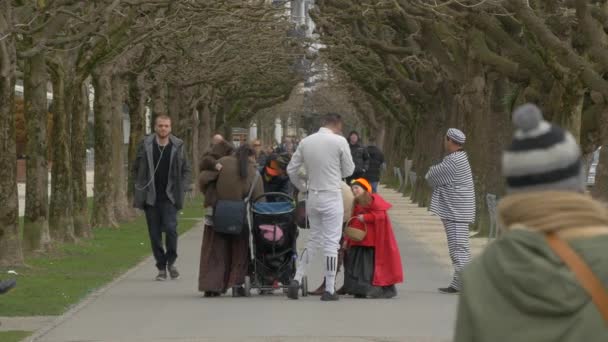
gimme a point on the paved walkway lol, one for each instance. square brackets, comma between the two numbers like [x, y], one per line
[136, 308]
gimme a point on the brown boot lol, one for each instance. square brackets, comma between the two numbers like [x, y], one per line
[319, 291]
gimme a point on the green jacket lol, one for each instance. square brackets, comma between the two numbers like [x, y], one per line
[519, 290]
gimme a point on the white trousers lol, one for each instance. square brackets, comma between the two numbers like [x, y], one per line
[325, 210]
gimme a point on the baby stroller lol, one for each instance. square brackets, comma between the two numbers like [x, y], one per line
[272, 244]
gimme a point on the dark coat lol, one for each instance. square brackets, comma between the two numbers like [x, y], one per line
[361, 160]
[376, 159]
[180, 173]
[208, 173]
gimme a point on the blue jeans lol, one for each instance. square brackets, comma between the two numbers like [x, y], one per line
[374, 187]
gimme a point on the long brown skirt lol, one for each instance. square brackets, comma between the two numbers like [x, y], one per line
[224, 260]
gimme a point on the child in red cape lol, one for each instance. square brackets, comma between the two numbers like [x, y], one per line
[372, 266]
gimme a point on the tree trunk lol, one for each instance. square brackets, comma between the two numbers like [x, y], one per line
[137, 118]
[36, 225]
[61, 223]
[600, 188]
[103, 206]
[10, 244]
[159, 101]
[195, 147]
[122, 210]
[78, 94]
[204, 128]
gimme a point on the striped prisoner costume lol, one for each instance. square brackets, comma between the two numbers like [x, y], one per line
[454, 202]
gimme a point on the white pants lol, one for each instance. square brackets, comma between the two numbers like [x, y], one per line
[325, 210]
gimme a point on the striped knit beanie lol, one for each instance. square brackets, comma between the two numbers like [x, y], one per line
[542, 156]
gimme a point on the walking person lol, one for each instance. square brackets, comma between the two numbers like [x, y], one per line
[224, 258]
[376, 160]
[326, 158]
[162, 177]
[528, 285]
[453, 201]
[359, 155]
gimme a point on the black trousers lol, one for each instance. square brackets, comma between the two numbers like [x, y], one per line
[162, 217]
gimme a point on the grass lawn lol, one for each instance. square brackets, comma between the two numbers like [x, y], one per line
[13, 336]
[52, 283]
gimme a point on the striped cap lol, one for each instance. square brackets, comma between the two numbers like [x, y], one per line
[542, 156]
[456, 136]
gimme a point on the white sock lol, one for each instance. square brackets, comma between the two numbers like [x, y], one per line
[331, 268]
[303, 263]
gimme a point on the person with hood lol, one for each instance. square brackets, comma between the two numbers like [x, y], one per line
[360, 156]
[453, 200]
[224, 261]
[524, 286]
[376, 160]
[209, 168]
[372, 266]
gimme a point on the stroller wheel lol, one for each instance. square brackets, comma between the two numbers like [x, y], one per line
[247, 286]
[304, 286]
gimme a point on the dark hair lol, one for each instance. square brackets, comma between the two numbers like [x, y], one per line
[161, 116]
[331, 119]
[355, 133]
[242, 156]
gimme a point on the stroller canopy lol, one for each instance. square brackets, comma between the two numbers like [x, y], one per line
[273, 208]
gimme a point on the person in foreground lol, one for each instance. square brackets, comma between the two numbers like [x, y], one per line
[326, 158]
[225, 258]
[162, 177]
[372, 266]
[522, 288]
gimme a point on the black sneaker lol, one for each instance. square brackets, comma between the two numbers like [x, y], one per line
[173, 272]
[162, 275]
[448, 290]
[292, 290]
[330, 297]
[7, 285]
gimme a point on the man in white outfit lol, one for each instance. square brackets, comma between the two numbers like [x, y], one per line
[326, 158]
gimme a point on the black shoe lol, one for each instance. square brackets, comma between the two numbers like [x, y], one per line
[330, 297]
[173, 272]
[210, 294]
[448, 290]
[238, 291]
[7, 285]
[292, 291]
[389, 291]
[375, 292]
[360, 296]
[162, 275]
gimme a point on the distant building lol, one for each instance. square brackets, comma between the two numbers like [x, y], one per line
[240, 136]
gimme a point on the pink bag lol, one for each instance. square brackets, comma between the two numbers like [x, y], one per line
[268, 231]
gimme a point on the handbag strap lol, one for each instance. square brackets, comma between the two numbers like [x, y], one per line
[253, 184]
[589, 281]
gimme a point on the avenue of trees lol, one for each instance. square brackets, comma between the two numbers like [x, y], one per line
[209, 64]
[418, 67]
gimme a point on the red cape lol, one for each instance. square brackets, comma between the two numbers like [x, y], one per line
[388, 269]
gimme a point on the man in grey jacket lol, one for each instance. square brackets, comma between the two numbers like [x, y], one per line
[162, 176]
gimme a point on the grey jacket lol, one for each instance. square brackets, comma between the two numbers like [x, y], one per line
[180, 173]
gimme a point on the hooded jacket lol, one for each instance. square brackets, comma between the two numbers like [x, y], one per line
[519, 290]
